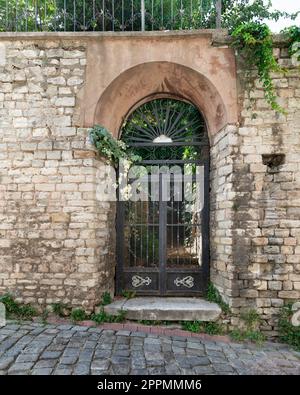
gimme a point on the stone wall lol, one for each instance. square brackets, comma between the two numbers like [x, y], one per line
[55, 237]
[222, 157]
[266, 239]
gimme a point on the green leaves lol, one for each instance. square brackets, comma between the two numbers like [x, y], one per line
[17, 310]
[78, 315]
[213, 295]
[236, 13]
[112, 149]
[293, 35]
[211, 328]
[288, 333]
[253, 40]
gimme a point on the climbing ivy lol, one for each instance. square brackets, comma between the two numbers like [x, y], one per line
[112, 149]
[253, 41]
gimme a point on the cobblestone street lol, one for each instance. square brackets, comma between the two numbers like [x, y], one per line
[67, 349]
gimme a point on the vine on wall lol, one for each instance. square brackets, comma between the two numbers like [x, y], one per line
[254, 42]
[112, 149]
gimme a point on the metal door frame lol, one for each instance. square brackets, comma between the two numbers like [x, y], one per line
[162, 269]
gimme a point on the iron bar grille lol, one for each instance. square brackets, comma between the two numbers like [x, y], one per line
[108, 15]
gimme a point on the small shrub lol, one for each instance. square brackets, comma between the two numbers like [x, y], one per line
[26, 312]
[61, 309]
[78, 315]
[211, 328]
[288, 333]
[237, 335]
[251, 319]
[17, 310]
[121, 316]
[255, 336]
[102, 317]
[106, 299]
[213, 295]
[251, 332]
[11, 306]
[192, 326]
[251, 335]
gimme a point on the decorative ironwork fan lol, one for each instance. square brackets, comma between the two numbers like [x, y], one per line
[164, 121]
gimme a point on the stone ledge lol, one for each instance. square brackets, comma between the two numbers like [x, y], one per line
[102, 35]
[166, 309]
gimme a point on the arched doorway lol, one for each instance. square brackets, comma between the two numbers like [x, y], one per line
[163, 226]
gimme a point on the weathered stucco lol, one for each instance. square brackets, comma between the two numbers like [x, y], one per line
[125, 70]
[56, 238]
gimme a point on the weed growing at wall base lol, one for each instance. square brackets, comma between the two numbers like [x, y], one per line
[78, 315]
[17, 310]
[61, 309]
[251, 332]
[211, 328]
[102, 317]
[213, 295]
[288, 333]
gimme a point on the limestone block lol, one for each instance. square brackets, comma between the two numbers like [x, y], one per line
[2, 54]
[74, 81]
[57, 80]
[289, 294]
[275, 285]
[74, 54]
[65, 101]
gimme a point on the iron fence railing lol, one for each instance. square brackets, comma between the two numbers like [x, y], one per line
[108, 15]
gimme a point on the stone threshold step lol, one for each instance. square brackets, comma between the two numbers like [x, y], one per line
[165, 309]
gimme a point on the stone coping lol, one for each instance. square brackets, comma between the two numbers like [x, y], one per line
[220, 37]
[117, 35]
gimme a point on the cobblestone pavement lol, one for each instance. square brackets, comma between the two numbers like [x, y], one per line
[67, 349]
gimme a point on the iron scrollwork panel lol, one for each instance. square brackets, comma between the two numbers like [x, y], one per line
[141, 281]
[184, 282]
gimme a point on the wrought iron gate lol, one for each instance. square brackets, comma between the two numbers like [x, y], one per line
[163, 231]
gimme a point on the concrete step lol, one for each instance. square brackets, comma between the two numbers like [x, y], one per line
[166, 309]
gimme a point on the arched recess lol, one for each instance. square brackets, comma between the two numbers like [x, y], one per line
[159, 79]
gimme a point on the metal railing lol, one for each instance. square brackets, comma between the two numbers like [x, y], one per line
[108, 15]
